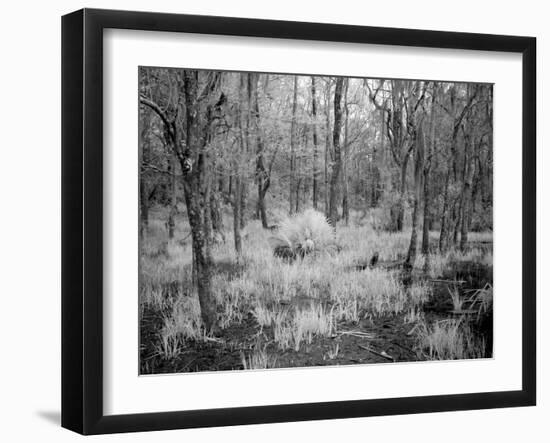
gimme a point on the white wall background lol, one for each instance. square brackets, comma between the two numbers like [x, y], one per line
[30, 219]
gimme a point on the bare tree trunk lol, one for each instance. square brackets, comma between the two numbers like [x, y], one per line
[375, 190]
[467, 193]
[143, 207]
[427, 183]
[426, 222]
[143, 187]
[262, 178]
[244, 195]
[249, 141]
[328, 147]
[261, 205]
[315, 144]
[345, 160]
[374, 178]
[451, 168]
[239, 199]
[335, 176]
[399, 145]
[197, 187]
[245, 140]
[443, 244]
[297, 184]
[237, 217]
[292, 178]
[345, 206]
[418, 168]
[203, 263]
[402, 193]
[457, 218]
[188, 137]
[216, 217]
[173, 197]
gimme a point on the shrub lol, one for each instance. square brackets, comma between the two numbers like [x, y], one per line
[303, 233]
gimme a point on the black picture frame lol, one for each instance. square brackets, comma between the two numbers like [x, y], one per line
[82, 220]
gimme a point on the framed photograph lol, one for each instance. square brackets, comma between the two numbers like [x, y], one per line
[269, 221]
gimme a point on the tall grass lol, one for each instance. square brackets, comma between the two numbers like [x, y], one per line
[450, 339]
[259, 358]
[295, 302]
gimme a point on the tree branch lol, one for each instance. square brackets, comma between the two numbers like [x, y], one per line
[158, 110]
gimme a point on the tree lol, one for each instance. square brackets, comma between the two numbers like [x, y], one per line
[144, 122]
[451, 171]
[173, 197]
[337, 164]
[418, 170]
[315, 144]
[226, 142]
[200, 97]
[263, 179]
[395, 108]
[345, 158]
[239, 162]
[328, 145]
[292, 177]
[427, 183]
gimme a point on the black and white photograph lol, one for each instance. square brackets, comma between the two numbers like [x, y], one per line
[244, 222]
[306, 220]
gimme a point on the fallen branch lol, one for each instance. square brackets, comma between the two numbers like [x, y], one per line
[359, 334]
[404, 347]
[213, 339]
[438, 280]
[413, 330]
[380, 354]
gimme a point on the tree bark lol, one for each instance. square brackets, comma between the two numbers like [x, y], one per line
[345, 159]
[418, 169]
[248, 140]
[335, 175]
[426, 221]
[467, 189]
[292, 179]
[399, 145]
[328, 147]
[297, 185]
[400, 209]
[239, 160]
[262, 178]
[173, 197]
[143, 186]
[237, 218]
[315, 185]
[426, 224]
[375, 179]
[216, 217]
[198, 116]
[244, 195]
[444, 235]
[444, 214]
[261, 205]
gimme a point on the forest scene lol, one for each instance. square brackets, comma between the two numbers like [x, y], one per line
[305, 220]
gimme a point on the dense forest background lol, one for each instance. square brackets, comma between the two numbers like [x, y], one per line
[404, 153]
